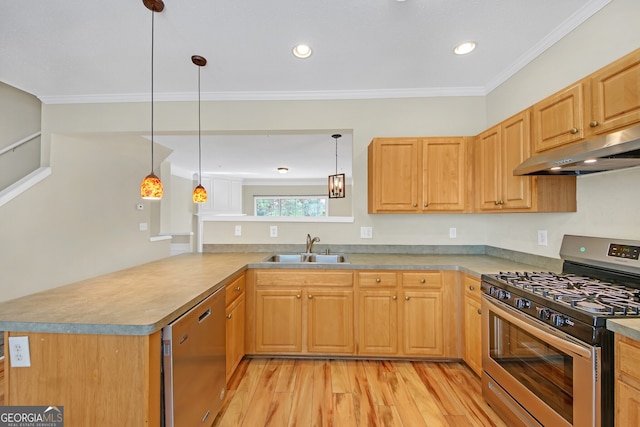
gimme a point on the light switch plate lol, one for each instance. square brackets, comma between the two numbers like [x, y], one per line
[238, 231]
[452, 233]
[542, 237]
[19, 352]
[366, 232]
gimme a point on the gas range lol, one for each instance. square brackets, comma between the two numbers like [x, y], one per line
[600, 280]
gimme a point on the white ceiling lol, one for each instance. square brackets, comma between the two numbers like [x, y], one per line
[68, 51]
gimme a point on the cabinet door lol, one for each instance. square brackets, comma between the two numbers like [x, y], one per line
[330, 321]
[378, 322]
[422, 328]
[516, 148]
[278, 320]
[615, 95]
[444, 174]
[472, 330]
[558, 119]
[235, 334]
[489, 170]
[393, 175]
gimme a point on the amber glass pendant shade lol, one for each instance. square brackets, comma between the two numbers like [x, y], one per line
[199, 194]
[151, 187]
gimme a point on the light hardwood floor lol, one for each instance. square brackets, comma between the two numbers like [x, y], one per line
[354, 393]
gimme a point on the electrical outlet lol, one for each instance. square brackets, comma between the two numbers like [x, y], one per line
[238, 230]
[143, 226]
[452, 233]
[273, 231]
[19, 352]
[366, 232]
[542, 237]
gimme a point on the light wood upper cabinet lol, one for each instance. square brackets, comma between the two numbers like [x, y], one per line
[497, 153]
[418, 175]
[614, 95]
[558, 120]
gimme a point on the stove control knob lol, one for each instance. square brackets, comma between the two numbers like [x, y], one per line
[557, 319]
[543, 313]
[502, 294]
[523, 303]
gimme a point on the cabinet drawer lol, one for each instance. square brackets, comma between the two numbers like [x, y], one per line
[377, 279]
[234, 289]
[282, 277]
[472, 287]
[422, 279]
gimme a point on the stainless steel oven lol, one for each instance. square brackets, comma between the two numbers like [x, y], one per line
[551, 374]
[548, 357]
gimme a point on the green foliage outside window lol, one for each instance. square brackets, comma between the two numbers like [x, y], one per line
[291, 206]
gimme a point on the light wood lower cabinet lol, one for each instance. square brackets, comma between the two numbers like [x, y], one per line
[627, 387]
[2, 380]
[472, 314]
[235, 323]
[304, 311]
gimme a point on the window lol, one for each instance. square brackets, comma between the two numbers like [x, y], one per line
[315, 206]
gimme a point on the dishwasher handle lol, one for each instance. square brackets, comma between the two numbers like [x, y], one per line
[204, 315]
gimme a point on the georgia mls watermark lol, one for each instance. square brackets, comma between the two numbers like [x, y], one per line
[31, 416]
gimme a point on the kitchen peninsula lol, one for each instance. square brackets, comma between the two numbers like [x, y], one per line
[89, 338]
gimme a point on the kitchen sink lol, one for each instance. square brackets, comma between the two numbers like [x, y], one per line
[307, 258]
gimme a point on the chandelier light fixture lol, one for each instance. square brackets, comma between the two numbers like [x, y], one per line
[336, 182]
[199, 193]
[151, 187]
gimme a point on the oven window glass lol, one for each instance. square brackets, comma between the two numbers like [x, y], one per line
[543, 369]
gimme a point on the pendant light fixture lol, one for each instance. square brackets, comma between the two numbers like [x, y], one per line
[151, 187]
[336, 182]
[199, 193]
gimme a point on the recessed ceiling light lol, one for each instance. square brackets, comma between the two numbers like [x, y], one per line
[464, 48]
[283, 170]
[302, 51]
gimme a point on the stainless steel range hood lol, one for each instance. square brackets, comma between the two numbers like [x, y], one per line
[617, 150]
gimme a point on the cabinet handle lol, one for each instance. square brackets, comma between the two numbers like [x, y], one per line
[423, 281]
[395, 297]
[594, 123]
[472, 288]
[309, 296]
[377, 280]
[479, 311]
[574, 131]
[415, 205]
[229, 316]
[237, 289]
[407, 298]
[298, 296]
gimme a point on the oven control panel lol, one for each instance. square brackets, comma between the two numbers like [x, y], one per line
[624, 251]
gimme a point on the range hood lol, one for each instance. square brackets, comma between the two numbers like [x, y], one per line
[617, 150]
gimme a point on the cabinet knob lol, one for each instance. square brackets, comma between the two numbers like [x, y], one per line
[423, 281]
[501, 202]
[377, 280]
[395, 297]
[426, 205]
[237, 289]
[574, 131]
[229, 316]
[594, 123]
[309, 296]
[298, 296]
[407, 298]
[415, 205]
[479, 311]
[472, 288]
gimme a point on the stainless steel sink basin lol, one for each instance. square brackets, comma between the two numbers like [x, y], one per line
[307, 259]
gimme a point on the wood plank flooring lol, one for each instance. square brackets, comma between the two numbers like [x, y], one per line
[354, 393]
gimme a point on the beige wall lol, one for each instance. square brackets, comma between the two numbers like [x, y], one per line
[82, 220]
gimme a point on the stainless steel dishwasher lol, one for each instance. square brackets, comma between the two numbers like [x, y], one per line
[194, 364]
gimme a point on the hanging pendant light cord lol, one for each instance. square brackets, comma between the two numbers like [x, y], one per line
[152, 38]
[199, 133]
[336, 156]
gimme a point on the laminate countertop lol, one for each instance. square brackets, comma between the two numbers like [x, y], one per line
[143, 299]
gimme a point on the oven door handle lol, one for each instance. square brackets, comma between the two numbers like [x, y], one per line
[561, 343]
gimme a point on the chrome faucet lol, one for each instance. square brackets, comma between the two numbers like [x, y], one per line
[310, 243]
